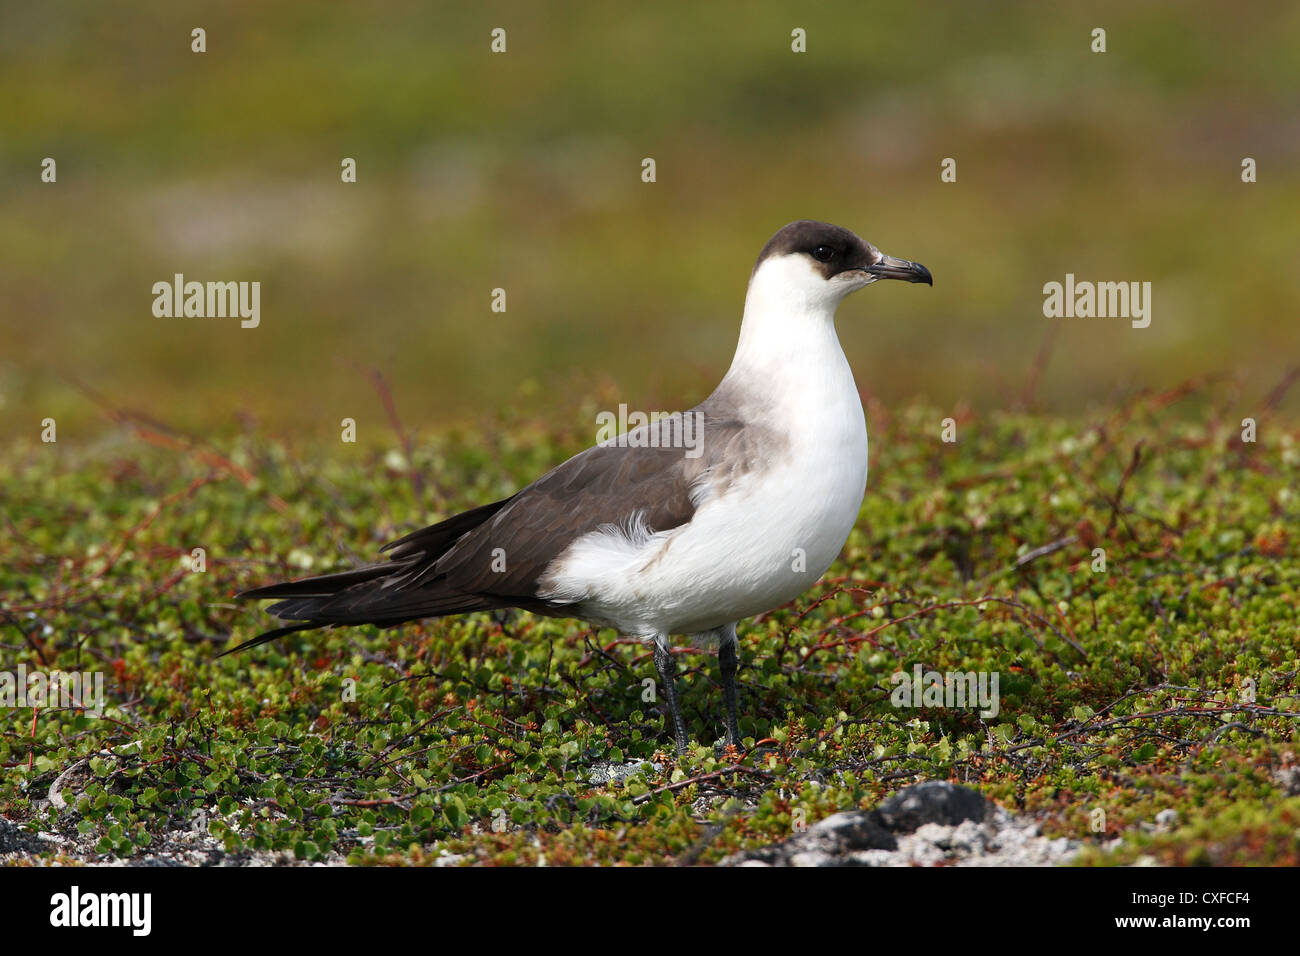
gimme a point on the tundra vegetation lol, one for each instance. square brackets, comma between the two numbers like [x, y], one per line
[1162, 677]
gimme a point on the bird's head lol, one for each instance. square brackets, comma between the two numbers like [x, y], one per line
[815, 264]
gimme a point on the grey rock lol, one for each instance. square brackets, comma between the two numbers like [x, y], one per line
[935, 801]
[849, 831]
[1288, 778]
[929, 824]
[16, 840]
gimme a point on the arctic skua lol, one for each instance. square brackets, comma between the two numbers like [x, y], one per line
[647, 536]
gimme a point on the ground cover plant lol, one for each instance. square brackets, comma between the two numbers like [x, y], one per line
[1129, 575]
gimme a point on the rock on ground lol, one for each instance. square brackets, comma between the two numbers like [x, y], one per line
[932, 823]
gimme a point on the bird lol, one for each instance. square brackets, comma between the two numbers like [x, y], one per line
[644, 535]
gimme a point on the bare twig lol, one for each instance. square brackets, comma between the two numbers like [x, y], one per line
[403, 436]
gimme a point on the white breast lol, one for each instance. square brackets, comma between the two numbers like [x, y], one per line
[769, 538]
[769, 535]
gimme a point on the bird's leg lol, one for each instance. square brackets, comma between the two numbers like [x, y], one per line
[728, 661]
[666, 664]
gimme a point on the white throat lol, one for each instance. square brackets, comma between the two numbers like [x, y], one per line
[788, 327]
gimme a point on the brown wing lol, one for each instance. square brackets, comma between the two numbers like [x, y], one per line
[456, 566]
[604, 485]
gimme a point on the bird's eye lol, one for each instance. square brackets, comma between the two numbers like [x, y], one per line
[823, 253]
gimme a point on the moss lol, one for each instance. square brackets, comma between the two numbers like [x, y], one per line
[1123, 692]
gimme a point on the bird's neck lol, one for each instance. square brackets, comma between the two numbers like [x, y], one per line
[790, 378]
[790, 372]
[788, 331]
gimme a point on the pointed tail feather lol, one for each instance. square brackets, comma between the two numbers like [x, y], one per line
[322, 585]
[403, 588]
[306, 595]
[270, 636]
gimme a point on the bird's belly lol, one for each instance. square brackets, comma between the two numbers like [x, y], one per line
[761, 543]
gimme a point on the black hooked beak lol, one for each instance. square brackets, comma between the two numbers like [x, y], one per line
[890, 267]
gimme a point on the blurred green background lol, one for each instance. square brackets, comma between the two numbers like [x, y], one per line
[522, 170]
